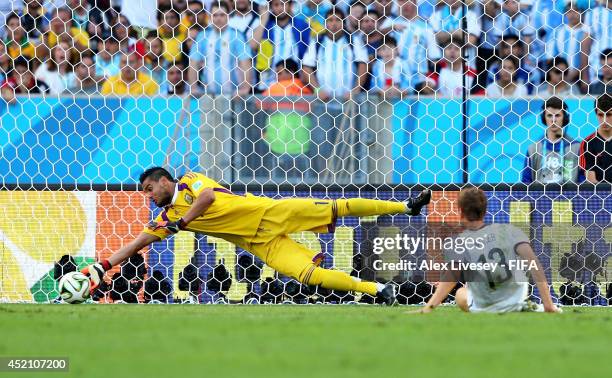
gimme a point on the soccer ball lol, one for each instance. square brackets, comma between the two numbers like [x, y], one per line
[74, 287]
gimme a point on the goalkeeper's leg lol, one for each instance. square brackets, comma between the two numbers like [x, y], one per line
[361, 207]
[295, 260]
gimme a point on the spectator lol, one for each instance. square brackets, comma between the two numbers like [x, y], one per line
[370, 32]
[16, 41]
[604, 81]
[279, 36]
[155, 62]
[511, 45]
[408, 15]
[61, 24]
[6, 63]
[85, 81]
[506, 82]
[568, 41]
[488, 41]
[339, 64]
[108, 58]
[170, 33]
[413, 39]
[222, 56]
[6, 7]
[287, 131]
[386, 12]
[288, 84]
[596, 149]
[545, 16]
[88, 18]
[372, 38]
[33, 19]
[21, 81]
[314, 11]
[448, 81]
[393, 77]
[554, 159]
[244, 18]
[598, 20]
[123, 32]
[557, 82]
[57, 71]
[193, 22]
[195, 16]
[130, 81]
[175, 83]
[357, 9]
[446, 24]
[513, 20]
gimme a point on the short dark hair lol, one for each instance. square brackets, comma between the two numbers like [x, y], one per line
[390, 41]
[554, 103]
[10, 16]
[473, 203]
[155, 174]
[372, 12]
[607, 53]
[23, 62]
[554, 62]
[604, 103]
[336, 11]
[513, 59]
[290, 65]
[219, 4]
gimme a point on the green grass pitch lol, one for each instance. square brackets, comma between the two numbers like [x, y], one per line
[151, 341]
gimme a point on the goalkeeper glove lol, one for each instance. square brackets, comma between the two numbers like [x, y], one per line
[173, 227]
[95, 272]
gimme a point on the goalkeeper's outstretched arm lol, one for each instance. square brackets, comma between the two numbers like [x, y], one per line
[95, 272]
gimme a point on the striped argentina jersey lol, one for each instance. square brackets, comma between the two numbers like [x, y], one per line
[565, 42]
[413, 42]
[336, 62]
[599, 21]
[220, 51]
[503, 288]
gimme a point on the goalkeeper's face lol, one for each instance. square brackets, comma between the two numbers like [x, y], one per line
[160, 191]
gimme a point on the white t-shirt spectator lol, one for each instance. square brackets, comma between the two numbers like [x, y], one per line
[56, 81]
[142, 13]
[494, 90]
[336, 63]
[449, 83]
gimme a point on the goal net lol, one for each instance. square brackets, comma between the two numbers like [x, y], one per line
[309, 98]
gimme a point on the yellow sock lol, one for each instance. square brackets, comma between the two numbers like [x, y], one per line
[361, 207]
[336, 280]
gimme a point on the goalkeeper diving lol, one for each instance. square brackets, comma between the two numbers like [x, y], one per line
[256, 224]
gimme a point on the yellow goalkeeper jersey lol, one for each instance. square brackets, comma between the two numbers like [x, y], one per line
[231, 216]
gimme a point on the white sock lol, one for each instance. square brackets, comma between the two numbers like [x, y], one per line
[379, 287]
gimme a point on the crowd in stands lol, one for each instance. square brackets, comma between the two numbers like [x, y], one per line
[501, 48]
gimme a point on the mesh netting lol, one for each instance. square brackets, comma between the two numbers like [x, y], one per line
[308, 98]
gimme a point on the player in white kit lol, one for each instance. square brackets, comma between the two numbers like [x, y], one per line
[505, 288]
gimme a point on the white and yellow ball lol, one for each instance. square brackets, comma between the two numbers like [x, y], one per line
[74, 287]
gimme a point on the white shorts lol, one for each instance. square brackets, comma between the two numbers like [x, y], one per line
[515, 303]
